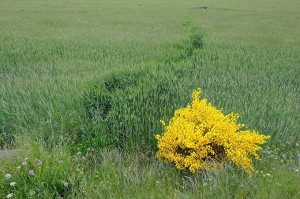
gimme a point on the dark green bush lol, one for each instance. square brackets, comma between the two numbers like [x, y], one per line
[132, 110]
[121, 79]
[196, 39]
[185, 48]
[97, 101]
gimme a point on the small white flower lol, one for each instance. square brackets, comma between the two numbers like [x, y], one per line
[268, 174]
[10, 195]
[66, 184]
[12, 184]
[205, 184]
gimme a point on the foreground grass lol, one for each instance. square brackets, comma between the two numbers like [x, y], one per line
[109, 173]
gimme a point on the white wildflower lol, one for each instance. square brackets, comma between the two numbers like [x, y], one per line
[12, 184]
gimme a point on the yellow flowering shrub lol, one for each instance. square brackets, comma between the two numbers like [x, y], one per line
[200, 135]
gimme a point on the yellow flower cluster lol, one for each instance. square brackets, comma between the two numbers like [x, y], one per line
[200, 135]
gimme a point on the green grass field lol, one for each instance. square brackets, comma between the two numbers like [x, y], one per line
[87, 82]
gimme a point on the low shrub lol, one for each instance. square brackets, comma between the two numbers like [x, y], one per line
[130, 110]
[200, 135]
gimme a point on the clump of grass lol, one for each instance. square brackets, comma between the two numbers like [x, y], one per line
[196, 38]
[98, 102]
[132, 111]
[121, 79]
[186, 48]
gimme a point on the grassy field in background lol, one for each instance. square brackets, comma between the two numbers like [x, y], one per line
[88, 81]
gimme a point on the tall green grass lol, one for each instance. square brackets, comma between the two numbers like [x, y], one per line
[50, 58]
